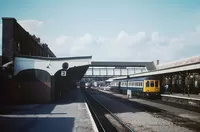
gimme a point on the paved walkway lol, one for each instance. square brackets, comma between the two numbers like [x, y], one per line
[70, 115]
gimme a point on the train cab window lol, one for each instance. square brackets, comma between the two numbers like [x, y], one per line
[156, 83]
[147, 84]
[152, 83]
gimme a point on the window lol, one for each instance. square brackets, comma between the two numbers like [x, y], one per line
[152, 83]
[147, 84]
[156, 83]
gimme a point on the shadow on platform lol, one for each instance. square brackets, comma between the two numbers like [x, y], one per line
[36, 124]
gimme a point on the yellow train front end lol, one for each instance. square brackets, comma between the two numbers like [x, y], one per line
[151, 87]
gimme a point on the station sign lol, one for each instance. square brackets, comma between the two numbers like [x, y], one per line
[63, 73]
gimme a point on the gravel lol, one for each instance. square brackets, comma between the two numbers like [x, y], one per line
[138, 120]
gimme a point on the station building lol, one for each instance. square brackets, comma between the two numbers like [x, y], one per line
[30, 72]
[182, 76]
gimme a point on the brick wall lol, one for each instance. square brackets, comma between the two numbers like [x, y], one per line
[17, 41]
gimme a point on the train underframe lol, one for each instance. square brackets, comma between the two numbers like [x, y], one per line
[137, 94]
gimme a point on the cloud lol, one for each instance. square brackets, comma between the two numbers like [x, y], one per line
[32, 26]
[141, 46]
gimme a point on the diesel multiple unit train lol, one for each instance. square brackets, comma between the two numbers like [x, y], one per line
[143, 86]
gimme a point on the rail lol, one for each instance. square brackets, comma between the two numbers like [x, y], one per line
[98, 111]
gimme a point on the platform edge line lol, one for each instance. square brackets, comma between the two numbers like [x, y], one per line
[91, 118]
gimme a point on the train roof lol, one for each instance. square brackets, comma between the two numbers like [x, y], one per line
[129, 79]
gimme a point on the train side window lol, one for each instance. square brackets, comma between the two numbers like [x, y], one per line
[156, 83]
[147, 84]
[152, 83]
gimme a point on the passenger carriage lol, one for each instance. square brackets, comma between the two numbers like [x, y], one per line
[143, 86]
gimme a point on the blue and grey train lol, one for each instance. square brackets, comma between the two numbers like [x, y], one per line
[142, 86]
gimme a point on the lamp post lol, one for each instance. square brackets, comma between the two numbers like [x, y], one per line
[129, 94]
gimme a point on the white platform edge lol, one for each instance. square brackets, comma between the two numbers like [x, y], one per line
[91, 118]
[188, 98]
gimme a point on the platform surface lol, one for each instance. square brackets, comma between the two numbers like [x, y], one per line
[183, 96]
[69, 115]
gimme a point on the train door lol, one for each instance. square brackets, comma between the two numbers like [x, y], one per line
[157, 86]
[146, 87]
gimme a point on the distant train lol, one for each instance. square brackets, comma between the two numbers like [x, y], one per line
[143, 86]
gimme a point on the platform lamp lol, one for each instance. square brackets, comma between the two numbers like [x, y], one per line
[127, 82]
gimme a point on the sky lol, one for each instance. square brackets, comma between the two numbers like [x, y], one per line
[112, 30]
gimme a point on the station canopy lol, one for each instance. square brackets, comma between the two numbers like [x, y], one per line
[77, 65]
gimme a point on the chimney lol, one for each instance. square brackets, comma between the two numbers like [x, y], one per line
[157, 62]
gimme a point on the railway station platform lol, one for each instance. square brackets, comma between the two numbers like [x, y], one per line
[192, 100]
[71, 114]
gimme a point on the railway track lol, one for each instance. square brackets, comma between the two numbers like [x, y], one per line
[105, 120]
[184, 122]
[158, 100]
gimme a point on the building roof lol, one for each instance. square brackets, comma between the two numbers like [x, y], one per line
[55, 58]
[148, 65]
[179, 63]
[187, 64]
[170, 70]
